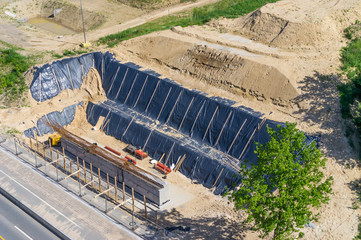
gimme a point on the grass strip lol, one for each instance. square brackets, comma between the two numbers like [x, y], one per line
[197, 16]
[12, 67]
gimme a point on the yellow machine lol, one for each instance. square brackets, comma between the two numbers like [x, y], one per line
[55, 139]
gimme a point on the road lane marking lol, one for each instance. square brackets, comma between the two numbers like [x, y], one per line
[2, 238]
[40, 199]
[26, 235]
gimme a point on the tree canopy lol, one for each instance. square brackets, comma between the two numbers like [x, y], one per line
[279, 191]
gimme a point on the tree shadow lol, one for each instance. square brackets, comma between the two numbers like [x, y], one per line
[355, 186]
[201, 227]
[320, 108]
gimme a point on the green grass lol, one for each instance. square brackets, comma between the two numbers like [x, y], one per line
[13, 131]
[198, 16]
[13, 65]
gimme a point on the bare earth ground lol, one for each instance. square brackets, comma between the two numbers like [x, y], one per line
[282, 60]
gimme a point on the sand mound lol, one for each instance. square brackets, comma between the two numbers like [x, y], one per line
[237, 74]
[70, 15]
[92, 85]
[231, 69]
[297, 23]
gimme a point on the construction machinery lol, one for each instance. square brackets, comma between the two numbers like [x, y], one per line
[139, 153]
[55, 139]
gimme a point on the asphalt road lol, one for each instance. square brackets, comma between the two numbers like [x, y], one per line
[16, 224]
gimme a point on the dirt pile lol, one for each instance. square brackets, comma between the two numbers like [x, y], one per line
[237, 74]
[296, 24]
[231, 69]
[92, 85]
[70, 15]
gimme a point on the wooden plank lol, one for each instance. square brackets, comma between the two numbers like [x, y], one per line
[210, 122]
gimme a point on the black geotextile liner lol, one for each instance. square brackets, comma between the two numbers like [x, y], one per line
[50, 79]
[63, 118]
[161, 116]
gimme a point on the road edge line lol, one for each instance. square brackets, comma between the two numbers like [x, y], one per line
[34, 215]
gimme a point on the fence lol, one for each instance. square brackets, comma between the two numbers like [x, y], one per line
[100, 190]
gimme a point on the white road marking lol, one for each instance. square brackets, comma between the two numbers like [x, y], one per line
[40, 199]
[26, 235]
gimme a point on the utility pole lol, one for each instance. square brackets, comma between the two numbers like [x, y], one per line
[82, 17]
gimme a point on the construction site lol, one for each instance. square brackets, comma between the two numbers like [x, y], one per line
[153, 131]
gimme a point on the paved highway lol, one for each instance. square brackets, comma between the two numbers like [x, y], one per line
[16, 224]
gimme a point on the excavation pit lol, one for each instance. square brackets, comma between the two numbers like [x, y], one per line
[165, 119]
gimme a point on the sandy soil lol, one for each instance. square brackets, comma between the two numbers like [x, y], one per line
[118, 17]
[288, 56]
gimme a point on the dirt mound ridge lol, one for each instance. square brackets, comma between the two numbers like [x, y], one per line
[297, 23]
[231, 69]
[70, 15]
[238, 74]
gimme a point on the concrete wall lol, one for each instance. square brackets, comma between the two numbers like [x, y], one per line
[156, 194]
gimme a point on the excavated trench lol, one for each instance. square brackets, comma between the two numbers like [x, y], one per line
[159, 116]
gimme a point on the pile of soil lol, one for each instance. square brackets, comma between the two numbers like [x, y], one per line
[70, 15]
[297, 24]
[230, 69]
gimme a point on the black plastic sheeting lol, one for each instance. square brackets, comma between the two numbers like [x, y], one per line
[50, 79]
[63, 118]
[161, 116]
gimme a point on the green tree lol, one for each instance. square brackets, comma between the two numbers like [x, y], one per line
[279, 191]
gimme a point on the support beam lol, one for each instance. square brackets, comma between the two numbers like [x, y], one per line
[185, 114]
[151, 98]
[133, 198]
[37, 143]
[179, 163]
[115, 189]
[105, 191]
[123, 191]
[70, 175]
[120, 204]
[146, 141]
[77, 164]
[108, 183]
[115, 76]
[131, 89]
[175, 104]
[225, 123]
[85, 180]
[91, 182]
[91, 175]
[235, 137]
[141, 91]
[64, 158]
[40, 87]
[99, 177]
[195, 120]
[145, 207]
[210, 122]
[165, 101]
[127, 128]
[170, 152]
[219, 175]
[71, 80]
[121, 84]
[56, 79]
